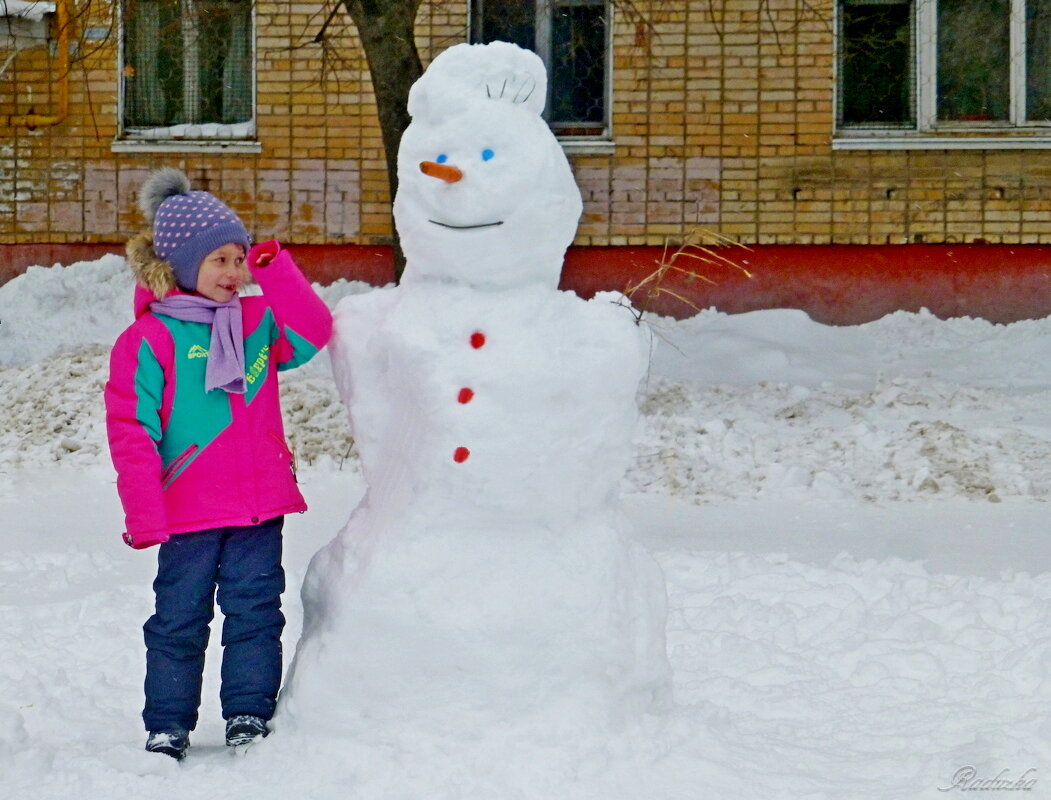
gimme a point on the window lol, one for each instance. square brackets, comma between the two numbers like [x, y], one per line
[942, 66]
[572, 38]
[186, 68]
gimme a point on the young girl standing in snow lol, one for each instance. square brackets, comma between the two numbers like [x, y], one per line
[196, 436]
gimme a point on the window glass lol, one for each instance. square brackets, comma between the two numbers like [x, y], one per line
[506, 21]
[1038, 60]
[974, 60]
[187, 62]
[571, 36]
[876, 56]
[578, 48]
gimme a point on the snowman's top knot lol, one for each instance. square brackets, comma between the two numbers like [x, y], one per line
[469, 73]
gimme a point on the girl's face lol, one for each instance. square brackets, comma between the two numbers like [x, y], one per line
[222, 273]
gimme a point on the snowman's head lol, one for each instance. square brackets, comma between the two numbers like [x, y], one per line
[486, 196]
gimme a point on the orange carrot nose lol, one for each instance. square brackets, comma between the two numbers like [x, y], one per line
[445, 172]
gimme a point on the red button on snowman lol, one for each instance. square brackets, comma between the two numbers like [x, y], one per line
[465, 396]
[489, 572]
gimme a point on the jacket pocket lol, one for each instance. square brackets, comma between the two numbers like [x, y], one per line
[287, 453]
[170, 472]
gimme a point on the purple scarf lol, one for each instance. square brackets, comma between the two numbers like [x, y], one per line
[226, 352]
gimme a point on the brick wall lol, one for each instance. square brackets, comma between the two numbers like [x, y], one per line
[722, 118]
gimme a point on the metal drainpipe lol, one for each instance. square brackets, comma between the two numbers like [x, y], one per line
[33, 121]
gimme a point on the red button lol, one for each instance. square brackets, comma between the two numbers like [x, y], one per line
[477, 339]
[466, 395]
[461, 454]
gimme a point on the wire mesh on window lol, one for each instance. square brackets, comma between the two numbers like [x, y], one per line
[1038, 60]
[876, 56]
[187, 61]
[578, 47]
[974, 60]
[571, 36]
[504, 21]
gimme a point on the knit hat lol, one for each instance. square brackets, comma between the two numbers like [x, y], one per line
[187, 225]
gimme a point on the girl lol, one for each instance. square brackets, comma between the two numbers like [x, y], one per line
[195, 433]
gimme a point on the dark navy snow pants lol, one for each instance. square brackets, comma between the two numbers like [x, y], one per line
[245, 564]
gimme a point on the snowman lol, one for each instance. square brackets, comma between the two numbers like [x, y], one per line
[489, 572]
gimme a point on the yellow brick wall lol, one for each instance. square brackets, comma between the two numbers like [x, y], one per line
[722, 119]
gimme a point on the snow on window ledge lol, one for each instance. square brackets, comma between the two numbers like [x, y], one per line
[890, 141]
[238, 137]
[26, 9]
[208, 138]
[576, 144]
[185, 146]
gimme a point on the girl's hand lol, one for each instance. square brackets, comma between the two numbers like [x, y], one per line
[263, 253]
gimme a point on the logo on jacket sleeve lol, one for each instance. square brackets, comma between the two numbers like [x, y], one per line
[256, 368]
[197, 352]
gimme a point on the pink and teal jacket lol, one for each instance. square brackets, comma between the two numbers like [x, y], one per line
[187, 460]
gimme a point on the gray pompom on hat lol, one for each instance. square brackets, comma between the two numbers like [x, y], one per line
[187, 225]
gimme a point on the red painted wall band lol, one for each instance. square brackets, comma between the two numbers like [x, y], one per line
[835, 284]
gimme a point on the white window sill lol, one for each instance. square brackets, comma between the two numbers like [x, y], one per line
[185, 146]
[886, 141]
[593, 146]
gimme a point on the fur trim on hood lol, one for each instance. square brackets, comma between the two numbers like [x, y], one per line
[150, 271]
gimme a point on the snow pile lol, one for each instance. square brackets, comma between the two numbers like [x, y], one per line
[56, 327]
[50, 310]
[827, 639]
[905, 439]
[47, 310]
[768, 404]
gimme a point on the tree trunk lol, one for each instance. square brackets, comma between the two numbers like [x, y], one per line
[387, 31]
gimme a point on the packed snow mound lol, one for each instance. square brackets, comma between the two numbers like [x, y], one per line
[51, 310]
[774, 346]
[47, 310]
[907, 407]
[905, 439]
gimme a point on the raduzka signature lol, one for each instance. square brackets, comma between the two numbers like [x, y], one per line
[967, 779]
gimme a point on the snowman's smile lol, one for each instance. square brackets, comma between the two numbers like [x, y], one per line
[466, 227]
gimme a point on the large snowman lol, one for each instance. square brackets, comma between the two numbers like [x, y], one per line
[488, 573]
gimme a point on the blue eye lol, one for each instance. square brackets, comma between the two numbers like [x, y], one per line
[442, 158]
[487, 154]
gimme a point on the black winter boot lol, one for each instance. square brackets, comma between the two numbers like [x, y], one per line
[244, 729]
[173, 743]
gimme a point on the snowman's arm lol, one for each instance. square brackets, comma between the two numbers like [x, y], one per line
[304, 323]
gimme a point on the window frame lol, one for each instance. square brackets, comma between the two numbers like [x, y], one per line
[601, 141]
[929, 133]
[187, 136]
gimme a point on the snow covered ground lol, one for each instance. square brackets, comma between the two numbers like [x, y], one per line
[851, 521]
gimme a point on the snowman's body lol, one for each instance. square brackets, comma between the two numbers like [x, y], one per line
[488, 567]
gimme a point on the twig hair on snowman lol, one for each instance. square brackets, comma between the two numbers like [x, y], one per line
[486, 196]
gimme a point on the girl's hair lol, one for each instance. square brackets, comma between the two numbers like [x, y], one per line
[150, 270]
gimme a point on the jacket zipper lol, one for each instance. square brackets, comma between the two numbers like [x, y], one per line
[288, 452]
